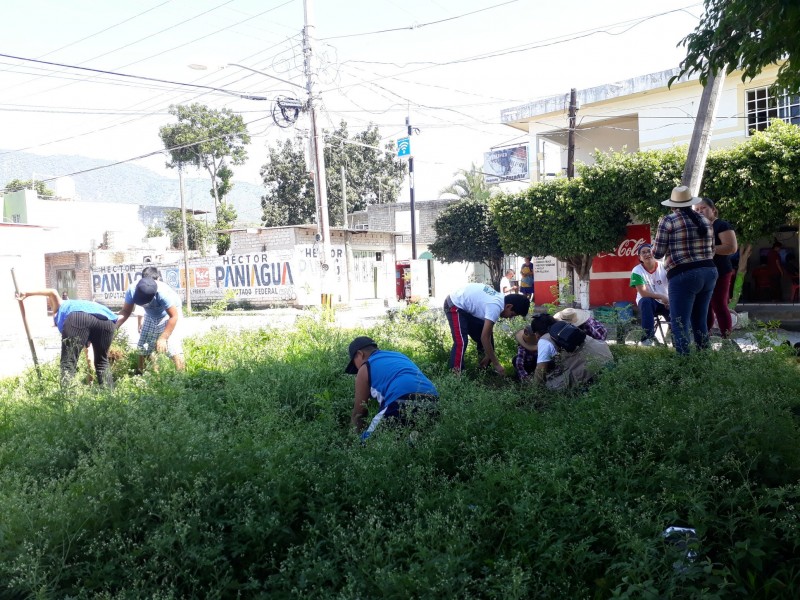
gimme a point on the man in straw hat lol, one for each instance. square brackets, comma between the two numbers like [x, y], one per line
[685, 240]
[583, 320]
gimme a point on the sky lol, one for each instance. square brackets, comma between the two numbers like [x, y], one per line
[450, 66]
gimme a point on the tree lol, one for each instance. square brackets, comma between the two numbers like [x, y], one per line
[197, 232]
[465, 231]
[289, 197]
[471, 184]
[18, 184]
[373, 176]
[562, 218]
[747, 35]
[206, 138]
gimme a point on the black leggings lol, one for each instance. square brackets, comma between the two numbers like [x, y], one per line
[81, 329]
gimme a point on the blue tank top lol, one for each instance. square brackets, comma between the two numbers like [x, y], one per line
[393, 375]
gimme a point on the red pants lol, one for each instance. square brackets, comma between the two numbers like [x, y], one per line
[719, 305]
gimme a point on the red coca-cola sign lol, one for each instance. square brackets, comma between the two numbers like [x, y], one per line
[624, 257]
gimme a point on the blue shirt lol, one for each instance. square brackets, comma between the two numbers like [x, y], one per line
[393, 375]
[85, 306]
[165, 298]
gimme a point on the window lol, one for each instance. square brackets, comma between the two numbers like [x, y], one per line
[763, 106]
[65, 282]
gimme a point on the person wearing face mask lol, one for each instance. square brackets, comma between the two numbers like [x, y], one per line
[724, 245]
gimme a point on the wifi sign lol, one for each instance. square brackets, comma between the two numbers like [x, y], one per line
[404, 147]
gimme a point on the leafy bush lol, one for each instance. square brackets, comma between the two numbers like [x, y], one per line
[241, 477]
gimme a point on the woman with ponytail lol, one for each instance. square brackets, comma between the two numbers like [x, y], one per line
[685, 240]
[724, 245]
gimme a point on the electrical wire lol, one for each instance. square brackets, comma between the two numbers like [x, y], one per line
[418, 26]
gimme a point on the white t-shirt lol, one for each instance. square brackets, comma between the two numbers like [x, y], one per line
[479, 300]
[545, 350]
[505, 286]
[656, 281]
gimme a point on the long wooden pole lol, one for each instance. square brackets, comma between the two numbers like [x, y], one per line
[27, 329]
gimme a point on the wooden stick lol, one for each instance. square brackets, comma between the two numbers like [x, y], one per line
[27, 329]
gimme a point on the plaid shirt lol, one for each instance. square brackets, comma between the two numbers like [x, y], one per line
[523, 357]
[679, 242]
[594, 328]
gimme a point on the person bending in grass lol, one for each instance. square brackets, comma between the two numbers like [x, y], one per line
[401, 389]
[81, 323]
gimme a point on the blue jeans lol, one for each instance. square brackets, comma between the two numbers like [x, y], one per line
[689, 296]
[649, 308]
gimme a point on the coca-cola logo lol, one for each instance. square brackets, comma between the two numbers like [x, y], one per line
[627, 248]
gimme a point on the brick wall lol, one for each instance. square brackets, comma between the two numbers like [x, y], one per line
[381, 217]
[80, 262]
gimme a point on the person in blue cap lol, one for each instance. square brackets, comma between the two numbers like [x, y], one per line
[81, 323]
[400, 388]
[162, 313]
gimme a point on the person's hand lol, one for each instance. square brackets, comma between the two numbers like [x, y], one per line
[21, 296]
[499, 369]
[161, 345]
[484, 363]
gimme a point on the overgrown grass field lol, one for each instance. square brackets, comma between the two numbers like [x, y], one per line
[240, 478]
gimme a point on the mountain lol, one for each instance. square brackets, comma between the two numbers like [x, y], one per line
[128, 183]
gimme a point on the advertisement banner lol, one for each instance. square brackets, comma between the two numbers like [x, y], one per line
[506, 164]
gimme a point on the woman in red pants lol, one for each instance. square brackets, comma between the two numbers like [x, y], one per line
[724, 245]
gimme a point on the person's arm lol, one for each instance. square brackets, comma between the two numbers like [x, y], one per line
[359, 414]
[139, 321]
[728, 245]
[52, 297]
[519, 363]
[124, 314]
[540, 374]
[660, 244]
[645, 292]
[488, 348]
[161, 342]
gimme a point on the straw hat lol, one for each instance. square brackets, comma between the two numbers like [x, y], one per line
[681, 197]
[576, 316]
[521, 341]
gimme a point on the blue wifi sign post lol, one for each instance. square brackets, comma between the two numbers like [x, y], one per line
[404, 147]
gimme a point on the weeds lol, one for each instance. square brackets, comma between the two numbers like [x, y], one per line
[241, 477]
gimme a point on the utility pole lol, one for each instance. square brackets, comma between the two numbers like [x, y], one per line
[317, 147]
[348, 251]
[701, 136]
[573, 108]
[185, 241]
[411, 190]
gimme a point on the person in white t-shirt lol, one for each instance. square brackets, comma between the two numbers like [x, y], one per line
[472, 312]
[650, 280]
[506, 286]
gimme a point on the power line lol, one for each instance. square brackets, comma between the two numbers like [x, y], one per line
[420, 25]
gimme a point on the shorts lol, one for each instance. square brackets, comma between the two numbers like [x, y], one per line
[152, 330]
[526, 290]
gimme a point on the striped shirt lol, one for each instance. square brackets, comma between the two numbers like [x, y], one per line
[680, 244]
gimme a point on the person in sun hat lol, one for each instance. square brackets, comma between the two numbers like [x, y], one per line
[536, 351]
[685, 240]
[401, 389]
[650, 280]
[162, 314]
[583, 320]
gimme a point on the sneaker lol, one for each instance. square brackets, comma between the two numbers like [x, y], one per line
[647, 342]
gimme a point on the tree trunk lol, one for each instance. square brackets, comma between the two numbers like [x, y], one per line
[744, 256]
[495, 266]
[582, 265]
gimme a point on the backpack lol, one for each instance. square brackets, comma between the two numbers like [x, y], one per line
[566, 335]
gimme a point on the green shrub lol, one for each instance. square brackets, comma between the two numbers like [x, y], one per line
[241, 477]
